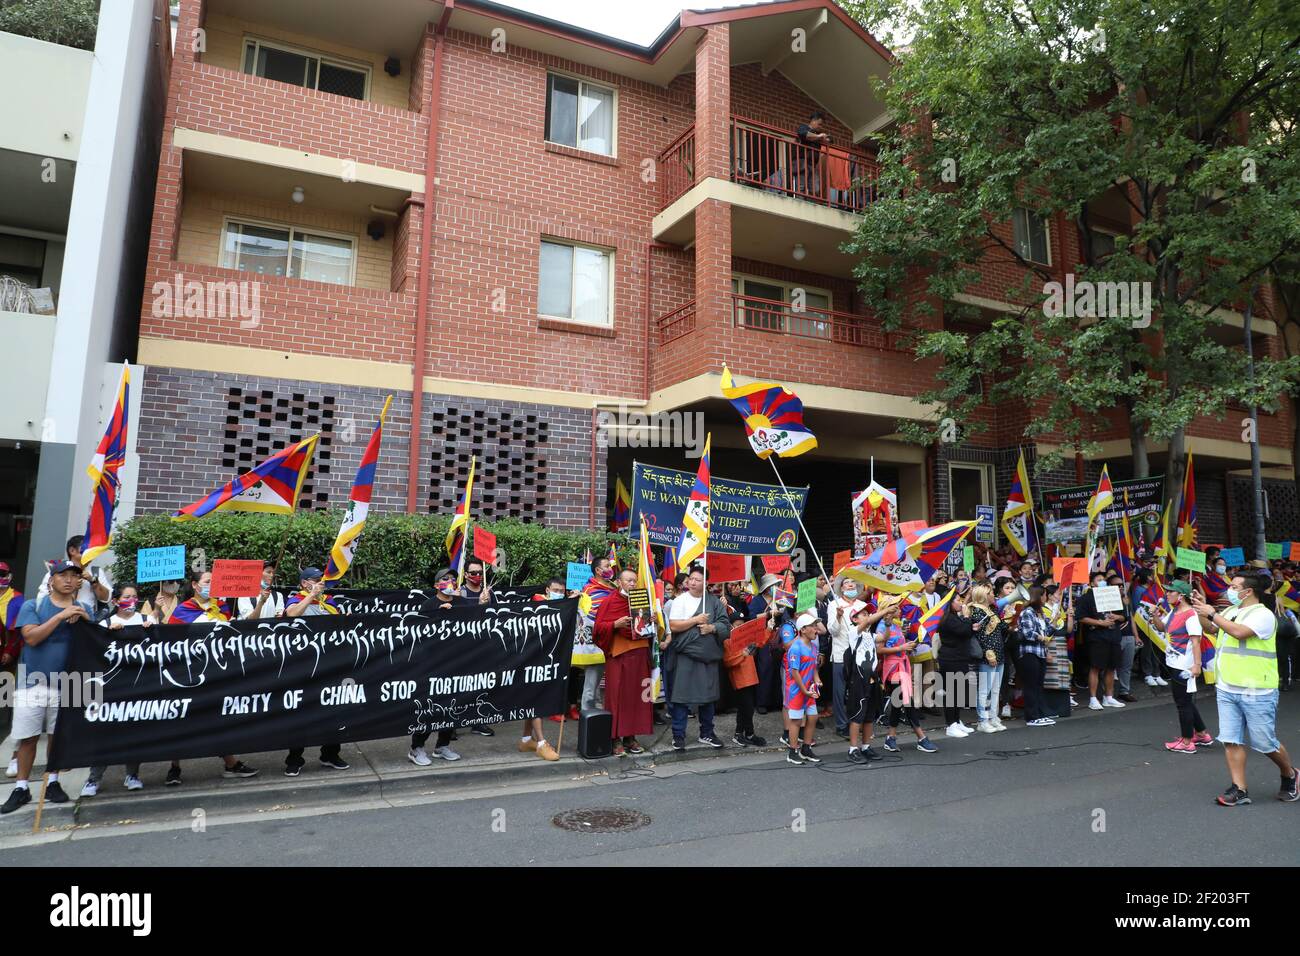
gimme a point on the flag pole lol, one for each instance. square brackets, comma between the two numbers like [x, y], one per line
[798, 517]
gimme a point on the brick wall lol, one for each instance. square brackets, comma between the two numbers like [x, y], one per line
[199, 429]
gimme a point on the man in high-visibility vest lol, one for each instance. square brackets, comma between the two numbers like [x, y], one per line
[1246, 682]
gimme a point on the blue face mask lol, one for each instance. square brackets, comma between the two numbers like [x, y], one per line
[1234, 597]
[205, 593]
[850, 595]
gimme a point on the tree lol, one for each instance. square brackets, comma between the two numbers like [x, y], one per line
[67, 22]
[1181, 113]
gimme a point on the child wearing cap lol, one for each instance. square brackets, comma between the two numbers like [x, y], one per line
[802, 687]
[896, 671]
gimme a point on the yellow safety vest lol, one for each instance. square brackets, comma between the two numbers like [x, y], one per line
[1249, 663]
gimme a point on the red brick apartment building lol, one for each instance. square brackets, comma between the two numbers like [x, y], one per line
[510, 223]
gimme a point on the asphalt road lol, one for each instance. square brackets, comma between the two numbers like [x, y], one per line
[1097, 790]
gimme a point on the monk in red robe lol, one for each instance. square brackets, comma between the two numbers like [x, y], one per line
[627, 667]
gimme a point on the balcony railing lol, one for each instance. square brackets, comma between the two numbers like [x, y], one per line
[768, 158]
[771, 159]
[826, 325]
[676, 323]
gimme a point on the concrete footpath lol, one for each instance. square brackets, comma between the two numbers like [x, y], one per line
[380, 769]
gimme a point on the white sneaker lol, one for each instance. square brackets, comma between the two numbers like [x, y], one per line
[997, 724]
[1094, 703]
[133, 783]
[955, 730]
[1073, 703]
[969, 730]
[90, 789]
[1040, 722]
[1006, 710]
[1151, 681]
[984, 727]
[1112, 702]
[12, 770]
[1161, 682]
[446, 753]
[419, 756]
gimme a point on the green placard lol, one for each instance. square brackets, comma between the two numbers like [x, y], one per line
[807, 596]
[1273, 550]
[968, 558]
[1191, 560]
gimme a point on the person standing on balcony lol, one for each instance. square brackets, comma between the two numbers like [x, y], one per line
[807, 165]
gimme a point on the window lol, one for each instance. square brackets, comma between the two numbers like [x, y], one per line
[1103, 244]
[968, 485]
[575, 283]
[268, 250]
[301, 68]
[1030, 235]
[801, 312]
[580, 114]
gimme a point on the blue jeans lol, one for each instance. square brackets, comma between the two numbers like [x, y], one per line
[1240, 714]
[705, 712]
[990, 686]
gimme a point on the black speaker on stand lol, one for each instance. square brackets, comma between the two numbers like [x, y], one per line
[595, 730]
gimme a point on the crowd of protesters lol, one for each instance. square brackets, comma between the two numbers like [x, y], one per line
[1009, 638]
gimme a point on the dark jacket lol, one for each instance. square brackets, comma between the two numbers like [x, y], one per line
[696, 656]
[955, 636]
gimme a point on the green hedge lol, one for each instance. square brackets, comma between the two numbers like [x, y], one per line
[396, 551]
[66, 22]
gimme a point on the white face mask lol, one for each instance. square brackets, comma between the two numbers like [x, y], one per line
[1234, 596]
[1220, 568]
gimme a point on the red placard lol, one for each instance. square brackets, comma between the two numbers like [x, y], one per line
[909, 526]
[232, 578]
[1295, 551]
[485, 544]
[727, 567]
[1068, 571]
[841, 558]
[775, 563]
[751, 632]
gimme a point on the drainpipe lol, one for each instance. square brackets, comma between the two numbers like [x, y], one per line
[421, 343]
[591, 483]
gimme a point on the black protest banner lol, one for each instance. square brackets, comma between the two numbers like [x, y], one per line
[202, 690]
[1064, 511]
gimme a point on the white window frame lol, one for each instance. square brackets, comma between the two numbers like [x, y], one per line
[610, 256]
[737, 288]
[1047, 234]
[353, 241]
[319, 57]
[986, 484]
[581, 81]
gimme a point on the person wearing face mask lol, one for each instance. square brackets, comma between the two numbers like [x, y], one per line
[573, 692]
[126, 613]
[767, 661]
[164, 603]
[1104, 638]
[627, 665]
[268, 604]
[446, 596]
[203, 608]
[958, 653]
[95, 588]
[1182, 629]
[311, 600]
[840, 623]
[1246, 683]
[1037, 633]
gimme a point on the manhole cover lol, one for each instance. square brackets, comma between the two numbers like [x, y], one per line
[601, 820]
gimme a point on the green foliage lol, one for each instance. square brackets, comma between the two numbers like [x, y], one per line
[396, 551]
[66, 22]
[1087, 110]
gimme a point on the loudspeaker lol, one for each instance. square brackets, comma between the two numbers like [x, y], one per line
[595, 730]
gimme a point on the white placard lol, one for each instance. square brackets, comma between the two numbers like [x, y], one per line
[1107, 599]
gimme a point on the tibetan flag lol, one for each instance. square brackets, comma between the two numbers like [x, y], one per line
[1018, 522]
[928, 625]
[1162, 548]
[1102, 498]
[669, 573]
[1215, 585]
[11, 602]
[272, 487]
[695, 521]
[592, 595]
[613, 558]
[354, 522]
[109, 458]
[622, 506]
[1124, 556]
[458, 531]
[1208, 654]
[773, 417]
[1288, 595]
[1187, 509]
[905, 564]
[645, 578]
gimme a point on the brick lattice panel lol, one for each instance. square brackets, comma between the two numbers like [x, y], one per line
[511, 475]
[260, 421]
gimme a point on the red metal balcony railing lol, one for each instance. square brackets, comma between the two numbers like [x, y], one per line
[677, 168]
[841, 328]
[769, 158]
[676, 323]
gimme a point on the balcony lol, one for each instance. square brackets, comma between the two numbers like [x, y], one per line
[781, 318]
[782, 195]
[767, 158]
